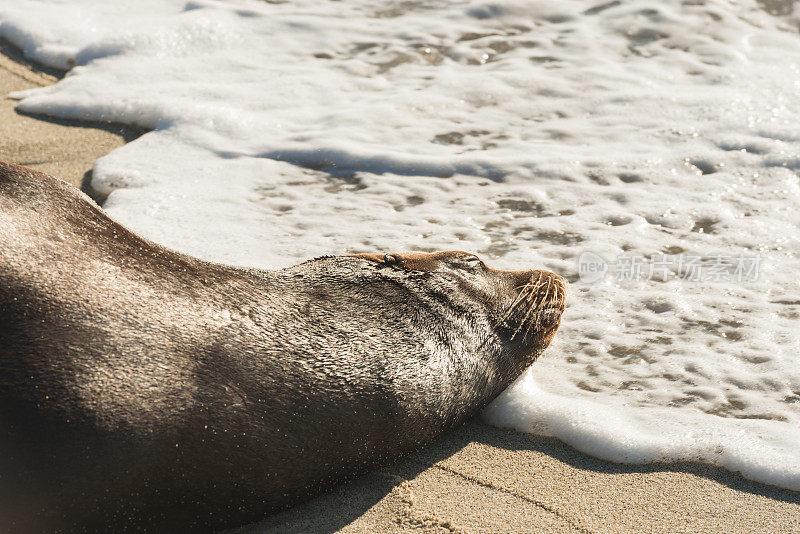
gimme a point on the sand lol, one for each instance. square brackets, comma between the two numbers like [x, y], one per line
[475, 479]
[64, 148]
[484, 479]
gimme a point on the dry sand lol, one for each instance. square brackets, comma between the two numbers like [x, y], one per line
[484, 479]
[476, 479]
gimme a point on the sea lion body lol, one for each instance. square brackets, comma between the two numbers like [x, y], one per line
[141, 387]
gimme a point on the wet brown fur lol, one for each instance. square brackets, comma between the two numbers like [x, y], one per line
[142, 388]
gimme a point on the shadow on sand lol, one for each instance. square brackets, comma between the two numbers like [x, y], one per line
[346, 503]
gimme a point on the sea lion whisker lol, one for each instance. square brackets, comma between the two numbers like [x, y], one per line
[530, 318]
[537, 302]
[526, 289]
[531, 309]
[527, 294]
[527, 330]
[535, 305]
[520, 297]
[541, 307]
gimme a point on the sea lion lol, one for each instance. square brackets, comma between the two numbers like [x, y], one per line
[140, 387]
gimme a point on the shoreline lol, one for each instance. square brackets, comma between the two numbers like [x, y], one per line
[64, 148]
[476, 478]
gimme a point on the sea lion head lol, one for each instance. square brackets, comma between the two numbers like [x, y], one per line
[522, 308]
[443, 324]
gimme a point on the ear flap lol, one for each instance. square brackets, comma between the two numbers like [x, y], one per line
[391, 260]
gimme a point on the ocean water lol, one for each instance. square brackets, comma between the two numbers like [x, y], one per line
[647, 150]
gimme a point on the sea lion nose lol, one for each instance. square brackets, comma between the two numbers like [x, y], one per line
[536, 286]
[553, 286]
[535, 308]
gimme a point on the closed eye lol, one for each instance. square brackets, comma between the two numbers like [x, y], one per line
[468, 262]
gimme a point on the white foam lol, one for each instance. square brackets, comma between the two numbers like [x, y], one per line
[527, 132]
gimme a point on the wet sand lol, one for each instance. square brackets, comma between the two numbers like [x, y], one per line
[64, 148]
[475, 479]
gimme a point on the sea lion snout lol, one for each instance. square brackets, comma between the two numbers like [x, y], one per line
[537, 301]
[549, 288]
[550, 295]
